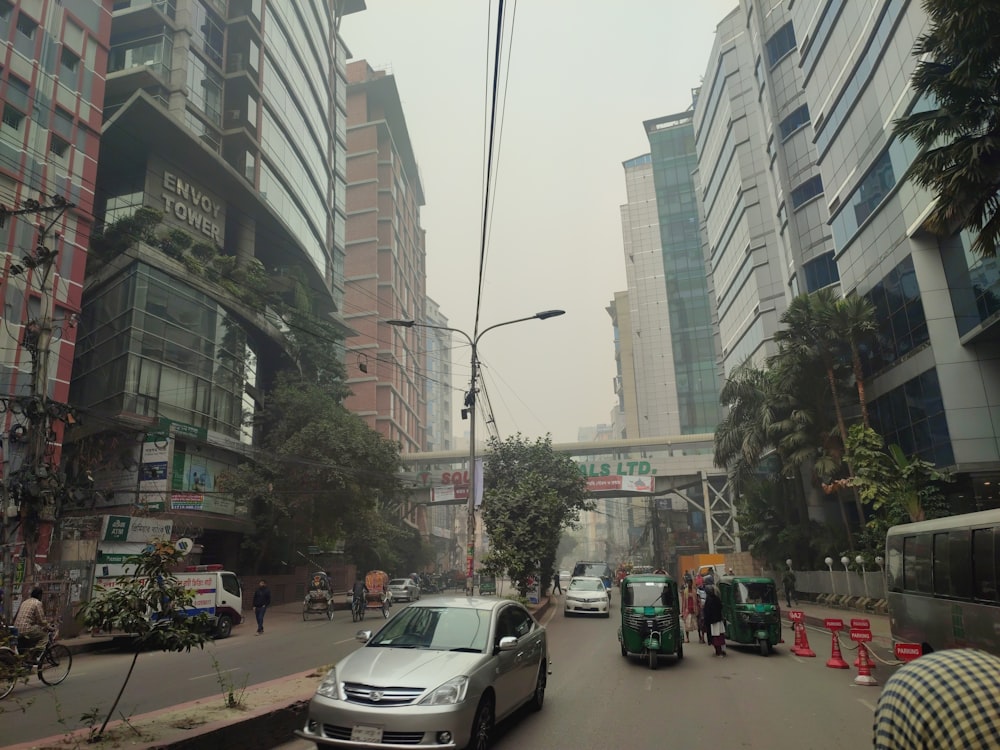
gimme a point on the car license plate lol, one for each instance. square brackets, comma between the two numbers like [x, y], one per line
[361, 733]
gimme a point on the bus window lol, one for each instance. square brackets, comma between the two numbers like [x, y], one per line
[916, 563]
[960, 549]
[894, 563]
[941, 565]
[984, 565]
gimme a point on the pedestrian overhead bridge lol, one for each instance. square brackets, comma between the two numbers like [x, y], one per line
[676, 474]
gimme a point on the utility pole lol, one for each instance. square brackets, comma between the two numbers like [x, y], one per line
[39, 480]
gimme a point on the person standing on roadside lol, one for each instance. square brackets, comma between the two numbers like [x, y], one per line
[948, 699]
[261, 601]
[555, 584]
[714, 622]
[690, 612]
[788, 581]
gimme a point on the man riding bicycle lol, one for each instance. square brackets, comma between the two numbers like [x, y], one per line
[30, 621]
[359, 592]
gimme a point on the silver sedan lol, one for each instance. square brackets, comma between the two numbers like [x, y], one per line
[440, 674]
[587, 596]
[404, 589]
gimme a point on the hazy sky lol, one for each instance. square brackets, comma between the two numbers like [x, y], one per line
[583, 75]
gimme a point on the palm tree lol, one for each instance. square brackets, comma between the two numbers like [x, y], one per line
[853, 319]
[743, 436]
[960, 139]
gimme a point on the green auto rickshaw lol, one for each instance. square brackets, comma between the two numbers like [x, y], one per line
[651, 622]
[750, 609]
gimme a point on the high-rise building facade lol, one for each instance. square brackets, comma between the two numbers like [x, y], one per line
[52, 64]
[222, 182]
[438, 381]
[801, 183]
[385, 268]
[674, 361]
[625, 413]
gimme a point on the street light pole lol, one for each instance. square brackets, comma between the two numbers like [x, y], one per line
[470, 411]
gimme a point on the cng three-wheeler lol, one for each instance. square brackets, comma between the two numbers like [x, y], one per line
[650, 612]
[751, 611]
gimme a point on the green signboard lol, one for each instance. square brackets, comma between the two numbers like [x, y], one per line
[117, 530]
[182, 430]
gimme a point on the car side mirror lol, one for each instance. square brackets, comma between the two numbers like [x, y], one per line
[364, 635]
[507, 643]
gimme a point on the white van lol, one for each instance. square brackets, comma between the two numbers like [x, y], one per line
[216, 592]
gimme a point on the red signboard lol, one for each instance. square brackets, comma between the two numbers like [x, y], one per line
[908, 651]
[861, 636]
[833, 624]
[468, 566]
[858, 623]
[796, 615]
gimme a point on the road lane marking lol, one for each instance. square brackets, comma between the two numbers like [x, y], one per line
[215, 674]
[649, 682]
[346, 640]
[868, 704]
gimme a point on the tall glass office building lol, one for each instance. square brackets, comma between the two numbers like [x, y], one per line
[228, 119]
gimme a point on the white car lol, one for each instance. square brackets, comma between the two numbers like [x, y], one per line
[439, 674]
[404, 590]
[586, 595]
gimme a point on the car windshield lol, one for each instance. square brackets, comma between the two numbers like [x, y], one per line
[756, 593]
[648, 594]
[397, 582]
[596, 570]
[436, 628]
[579, 584]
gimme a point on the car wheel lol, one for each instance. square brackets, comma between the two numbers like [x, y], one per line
[224, 627]
[538, 699]
[482, 725]
[624, 650]
[680, 651]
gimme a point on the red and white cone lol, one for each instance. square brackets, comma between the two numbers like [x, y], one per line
[836, 660]
[865, 668]
[803, 647]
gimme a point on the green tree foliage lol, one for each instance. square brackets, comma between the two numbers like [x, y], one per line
[150, 603]
[960, 135]
[531, 495]
[320, 472]
[900, 489]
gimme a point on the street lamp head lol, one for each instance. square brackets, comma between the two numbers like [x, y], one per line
[401, 323]
[546, 314]
[788, 562]
[879, 560]
[860, 560]
[829, 562]
[845, 560]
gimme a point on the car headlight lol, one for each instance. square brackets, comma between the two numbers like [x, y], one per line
[329, 687]
[451, 692]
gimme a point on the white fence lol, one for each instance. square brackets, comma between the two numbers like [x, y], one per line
[871, 585]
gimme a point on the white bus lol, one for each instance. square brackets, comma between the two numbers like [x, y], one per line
[942, 582]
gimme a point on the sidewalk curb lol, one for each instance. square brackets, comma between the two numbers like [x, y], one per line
[261, 728]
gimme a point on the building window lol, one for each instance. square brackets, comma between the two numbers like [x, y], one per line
[899, 313]
[821, 272]
[912, 416]
[807, 191]
[58, 146]
[69, 61]
[12, 117]
[5, 10]
[794, 121]
[780, 44]
[27, 25]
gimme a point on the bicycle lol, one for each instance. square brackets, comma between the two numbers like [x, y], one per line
[358, 607]
[52, 663]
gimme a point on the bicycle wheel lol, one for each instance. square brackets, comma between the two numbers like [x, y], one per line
[55, 664]
[8, 672]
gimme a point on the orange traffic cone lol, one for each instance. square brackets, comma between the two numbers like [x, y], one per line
[836, 660]
[798, 638]
[802, 649]
[864, 669]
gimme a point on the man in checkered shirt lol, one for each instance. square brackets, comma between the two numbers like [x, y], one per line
[948, 699]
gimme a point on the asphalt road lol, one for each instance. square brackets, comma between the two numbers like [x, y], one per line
[597, 699]
[288, 646]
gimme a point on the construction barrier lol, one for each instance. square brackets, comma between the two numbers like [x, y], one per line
[836, 660]
[861, 637]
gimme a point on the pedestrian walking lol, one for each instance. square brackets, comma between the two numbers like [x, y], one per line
[690, 612]
[261, 601]
[555, 583]
[788, 581]
[702, 629]
[714, 622]
[950, 699]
